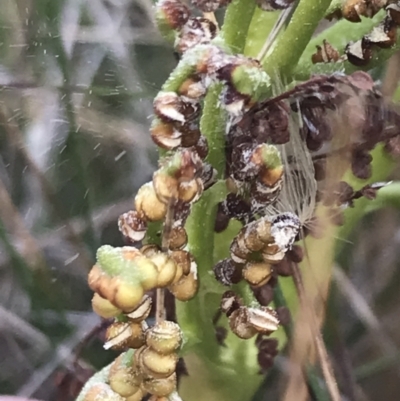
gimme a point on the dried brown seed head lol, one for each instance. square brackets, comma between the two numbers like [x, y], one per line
[325, 54]
[164, 337]
[132, 225]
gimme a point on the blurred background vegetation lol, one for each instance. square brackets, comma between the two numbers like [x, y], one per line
[77, 78]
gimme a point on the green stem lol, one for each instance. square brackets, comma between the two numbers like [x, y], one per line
[212, 125]
[339, 35]
[195, 316]
[259, 29]
[237, 20]
[290, 46]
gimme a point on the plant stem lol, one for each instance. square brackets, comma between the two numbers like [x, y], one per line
[237, 20]
[290, 46]
[339, 35]
[259, 29]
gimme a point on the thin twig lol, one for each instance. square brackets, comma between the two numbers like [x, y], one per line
[160, 293]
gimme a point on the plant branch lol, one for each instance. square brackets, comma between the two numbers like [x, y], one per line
[237, 20]
[290, 46]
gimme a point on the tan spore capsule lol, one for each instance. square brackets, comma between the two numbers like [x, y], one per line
[123, 378]
[121, 335]
[142, 311]
[158, 365]
[127, 296]
[186, 288]
[104, 308]
[183, 259]
[168, 106]
[138, 396]
[264, 319]
[190, 191]
[165, 135]
[257, 273]
[160, 387]
[165, 186]
[177, 238]
[192, 88]
[240, 325]
[164, 337]
[148, 204]
[166, 269]
[103, 392]
[95, 275]
[143, 266]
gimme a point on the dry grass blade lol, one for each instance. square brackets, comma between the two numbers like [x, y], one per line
[313, 290]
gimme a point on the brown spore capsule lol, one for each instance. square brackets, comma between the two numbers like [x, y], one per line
[133, 225]
[173, 12]
[227, 272]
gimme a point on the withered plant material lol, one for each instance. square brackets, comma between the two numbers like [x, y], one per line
[325, 54]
